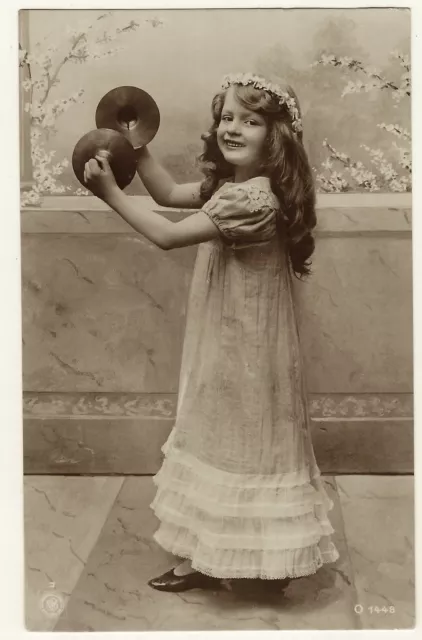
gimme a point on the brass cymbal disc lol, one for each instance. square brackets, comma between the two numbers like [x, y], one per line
[122, 158]
[130, 111]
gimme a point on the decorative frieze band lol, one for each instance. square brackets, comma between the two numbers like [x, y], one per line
[163, 405]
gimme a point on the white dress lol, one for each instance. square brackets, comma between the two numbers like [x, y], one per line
[239, 491]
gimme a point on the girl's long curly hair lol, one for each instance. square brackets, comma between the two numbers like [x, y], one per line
[285, 162]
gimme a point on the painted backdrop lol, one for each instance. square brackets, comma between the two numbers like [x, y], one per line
[179, 57]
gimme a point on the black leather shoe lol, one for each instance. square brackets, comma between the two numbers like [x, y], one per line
[169, 581]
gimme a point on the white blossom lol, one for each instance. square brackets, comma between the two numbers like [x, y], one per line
[364, 178]
[384, 166]
[27, 85]
[387, 175]
[403, 59]
[23, 53]
[395, 129]
[81, 43]
[405, 159]
[336, 183]
[402, 184]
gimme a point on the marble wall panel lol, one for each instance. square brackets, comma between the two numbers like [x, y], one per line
[364, 446]
[355, 315]
[103, 308]
[94, 446]
[102, 312]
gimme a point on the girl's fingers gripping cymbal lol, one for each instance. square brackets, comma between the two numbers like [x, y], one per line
[86, 172]
[94, 167]
[103, 153]
[102, 159]
[89, 170]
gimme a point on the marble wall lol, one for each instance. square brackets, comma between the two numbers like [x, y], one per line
[103, 321]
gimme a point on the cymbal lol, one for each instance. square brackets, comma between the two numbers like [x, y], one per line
[132, 112]
[122, 158]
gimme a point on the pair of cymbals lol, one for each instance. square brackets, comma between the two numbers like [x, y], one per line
[127, 118]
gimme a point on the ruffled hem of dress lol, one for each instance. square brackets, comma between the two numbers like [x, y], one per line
[183, 479]
[237, 564]
[226, 478]
[239, 525]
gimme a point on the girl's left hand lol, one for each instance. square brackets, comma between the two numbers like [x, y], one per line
[99, 177]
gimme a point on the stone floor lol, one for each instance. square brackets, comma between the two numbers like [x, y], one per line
[89, 554]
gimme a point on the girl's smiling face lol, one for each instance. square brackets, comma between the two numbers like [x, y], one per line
[241, 135]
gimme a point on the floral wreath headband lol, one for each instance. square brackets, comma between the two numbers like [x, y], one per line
[261, 83]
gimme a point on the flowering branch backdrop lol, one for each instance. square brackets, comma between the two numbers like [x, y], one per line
[393, 173]
[356, 118]
[82, 45]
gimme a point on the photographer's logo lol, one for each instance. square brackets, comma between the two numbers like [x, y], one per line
[51, 602]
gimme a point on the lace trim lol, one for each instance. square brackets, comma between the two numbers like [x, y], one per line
[232, 564]
[261, 198]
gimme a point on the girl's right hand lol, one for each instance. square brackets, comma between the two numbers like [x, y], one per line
[99, 177]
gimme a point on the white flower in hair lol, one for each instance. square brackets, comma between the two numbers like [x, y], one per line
[261, 83]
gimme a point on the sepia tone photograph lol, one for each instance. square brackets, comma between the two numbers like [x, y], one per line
[217, 319]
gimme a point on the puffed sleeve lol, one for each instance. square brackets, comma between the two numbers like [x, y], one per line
[244, 214]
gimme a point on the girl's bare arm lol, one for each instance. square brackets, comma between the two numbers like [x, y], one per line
[163, 188]
[166, 234]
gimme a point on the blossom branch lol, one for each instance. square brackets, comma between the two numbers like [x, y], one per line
[51, 81]
[400, 132]
[84, 45]
[388, 175]
[351, 64]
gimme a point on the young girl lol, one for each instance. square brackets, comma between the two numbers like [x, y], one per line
[239, 494]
